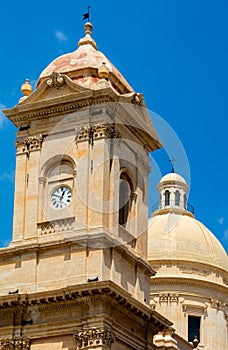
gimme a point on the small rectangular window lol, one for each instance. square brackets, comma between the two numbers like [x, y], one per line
[167, 198]
[193, 328]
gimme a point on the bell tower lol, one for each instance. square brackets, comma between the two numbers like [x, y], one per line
[82, 157]
[80, 212]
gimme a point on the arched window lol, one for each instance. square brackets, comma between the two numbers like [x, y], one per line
[167, 198]
[177, 198]
[125, 190]
[57, 180]
[185, 201]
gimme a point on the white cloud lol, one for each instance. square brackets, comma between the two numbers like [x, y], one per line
[2, 116]
[9, 176]
[60, 36]
[221, 220]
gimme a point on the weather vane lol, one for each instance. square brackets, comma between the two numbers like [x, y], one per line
[172, 161]
[87, 14]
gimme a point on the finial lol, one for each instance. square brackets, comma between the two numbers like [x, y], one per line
[88, 28]
[172, 161]
[87, 38]
[103, 71]
[26, 88]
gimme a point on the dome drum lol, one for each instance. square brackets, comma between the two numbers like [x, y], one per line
[173, 207]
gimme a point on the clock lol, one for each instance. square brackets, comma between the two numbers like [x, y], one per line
[61, 197]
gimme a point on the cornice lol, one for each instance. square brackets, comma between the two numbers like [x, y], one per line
[59, 95]
[83, 241]
[196, 282]
[87, 292]
[186, 263]
[57, 106]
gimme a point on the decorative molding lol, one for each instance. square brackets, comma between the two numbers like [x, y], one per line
[17, 344]
[165, 340]
[84, 339]
[193, 307]
[163, 298]
[56, 110]
[91, 133]
[174, 298]
[55, 226]
[28, 144]
[56, 80]
[194, 271]
[218, 304]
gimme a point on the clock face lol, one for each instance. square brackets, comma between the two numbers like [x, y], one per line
[61, 197]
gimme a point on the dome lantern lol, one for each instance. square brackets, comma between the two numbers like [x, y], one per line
[173, 191]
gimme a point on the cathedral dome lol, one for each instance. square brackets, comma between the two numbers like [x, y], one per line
[181, 237]
[174, 233]
[86, 66]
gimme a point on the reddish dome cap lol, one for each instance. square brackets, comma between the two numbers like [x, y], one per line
[83, 65]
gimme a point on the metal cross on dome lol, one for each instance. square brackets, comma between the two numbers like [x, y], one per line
[172, 161]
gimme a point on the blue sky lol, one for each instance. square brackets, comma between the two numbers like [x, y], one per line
[173, 51]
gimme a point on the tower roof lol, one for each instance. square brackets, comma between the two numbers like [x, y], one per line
[84, 64]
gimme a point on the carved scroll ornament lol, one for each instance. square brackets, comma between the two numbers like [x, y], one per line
[55, 80]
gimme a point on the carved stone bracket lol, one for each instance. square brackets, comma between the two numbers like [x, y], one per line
[168, 298]
[31, 143]
[218, 304]
[56, 80]
[17, 344]
[92, 337]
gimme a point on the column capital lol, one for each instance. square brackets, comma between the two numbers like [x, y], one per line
[88, 338]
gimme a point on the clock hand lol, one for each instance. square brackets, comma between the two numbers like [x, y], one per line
[61, 198]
